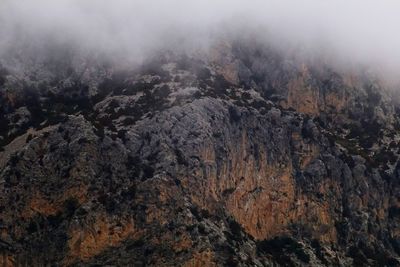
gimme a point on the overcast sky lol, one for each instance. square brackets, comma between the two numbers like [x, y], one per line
[364, 31]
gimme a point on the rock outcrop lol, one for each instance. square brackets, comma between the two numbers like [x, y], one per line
[245, 157]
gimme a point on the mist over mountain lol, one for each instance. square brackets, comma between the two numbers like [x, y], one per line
[199, 133]
[356, 32]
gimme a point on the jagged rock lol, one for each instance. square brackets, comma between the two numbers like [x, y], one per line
[247, 159]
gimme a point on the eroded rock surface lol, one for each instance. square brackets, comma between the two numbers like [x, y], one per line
[240, 158]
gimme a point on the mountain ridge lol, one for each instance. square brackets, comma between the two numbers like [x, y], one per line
[243, 157]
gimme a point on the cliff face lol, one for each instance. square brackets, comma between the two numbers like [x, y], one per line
[241, 157]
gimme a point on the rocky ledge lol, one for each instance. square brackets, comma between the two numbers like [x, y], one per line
[242, 157]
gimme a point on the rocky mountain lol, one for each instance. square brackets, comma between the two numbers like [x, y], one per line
[242, 156]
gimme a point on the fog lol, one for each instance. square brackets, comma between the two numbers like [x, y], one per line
[349, 31]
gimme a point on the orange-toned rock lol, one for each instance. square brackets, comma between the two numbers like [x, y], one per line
[99, 234]
[201, 259]
[45, 206]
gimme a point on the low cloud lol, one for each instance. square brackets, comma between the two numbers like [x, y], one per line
[357, 31]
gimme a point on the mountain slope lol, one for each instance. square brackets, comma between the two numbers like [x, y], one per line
[242, 156]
